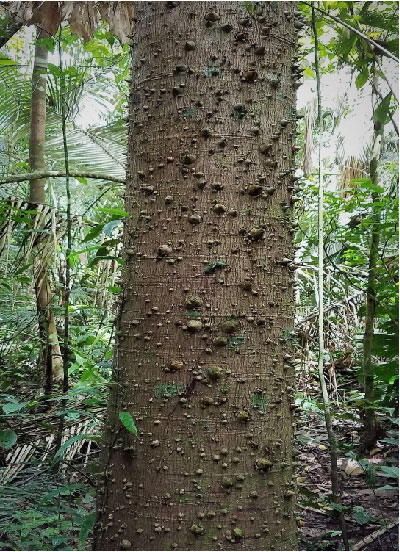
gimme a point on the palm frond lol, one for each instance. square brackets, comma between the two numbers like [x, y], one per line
[99, 149]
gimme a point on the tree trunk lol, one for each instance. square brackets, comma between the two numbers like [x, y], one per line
[50, 355]
[201, 361]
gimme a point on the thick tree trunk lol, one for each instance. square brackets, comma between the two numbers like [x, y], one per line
[201, 361]
[50, 355]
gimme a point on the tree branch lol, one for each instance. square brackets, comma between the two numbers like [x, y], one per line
[7, 178]
[354, 30]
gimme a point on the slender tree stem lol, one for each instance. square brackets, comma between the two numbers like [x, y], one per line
[66, 352]
[328, 419]
[7, 178]
[368, 439]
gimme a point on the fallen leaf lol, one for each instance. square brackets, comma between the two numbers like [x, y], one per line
[353, 468]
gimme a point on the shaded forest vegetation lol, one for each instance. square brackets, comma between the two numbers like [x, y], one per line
[67, 98]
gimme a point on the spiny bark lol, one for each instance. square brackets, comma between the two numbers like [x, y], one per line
[50, 357]
[201, 361]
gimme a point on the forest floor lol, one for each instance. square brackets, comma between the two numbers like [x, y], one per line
[370, 499]
[370, 495]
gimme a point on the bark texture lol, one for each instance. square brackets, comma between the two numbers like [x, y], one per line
[50, 356]
[202, 362]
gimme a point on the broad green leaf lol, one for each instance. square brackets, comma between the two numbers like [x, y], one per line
[83, 436]
[336, 506]
[381, 113]
[7, 438]
[393, 46]
[390, 441]
[361, 516]
[116, 212]
[308, 72]
[362, 77]
[22, 269]
[54, 70]
[127, 422]
[114, 289]
[345, 44]
[379, 19]
[13, 407]
[94, 232]
[7, 62]
[387, 488]
[389, 471]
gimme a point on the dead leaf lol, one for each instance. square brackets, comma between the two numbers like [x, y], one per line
[83, 17]
[352, 468]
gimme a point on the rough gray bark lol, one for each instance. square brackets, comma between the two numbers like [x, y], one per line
[201, 361]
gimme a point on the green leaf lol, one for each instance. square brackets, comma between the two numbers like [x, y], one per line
[393, 46]
[361, 516]
[13, 407]
[116, 212]
[48, 42]
[94, 232]
[389, 471]
[387, 488]
[308, 72]
[336, 506]
[381, 113]
[83, 436]
[213, 266]
[379, 19]
[7, 438]
[114, 289]
[127, 421]
[66, 490]
[362, 77]
[81, 180]
[345, 44]
[249, 7]
[7, 62]
[390, 441]
[87, 526]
